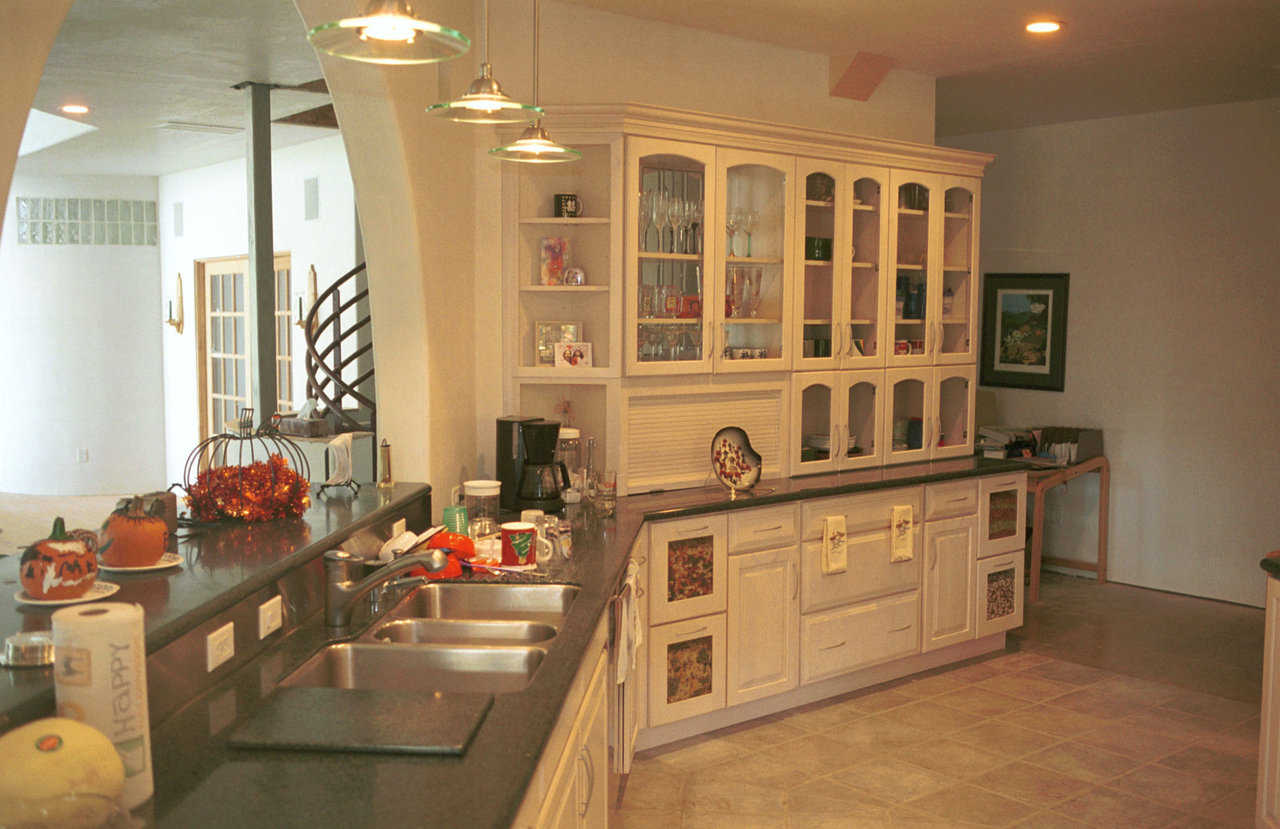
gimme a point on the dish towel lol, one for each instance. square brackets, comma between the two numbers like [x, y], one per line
[904, 534]
[628, 632]
[835, 552]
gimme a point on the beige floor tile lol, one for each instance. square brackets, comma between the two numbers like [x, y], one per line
[875, 735]
[652, 788]
[766, 768]
[932, 717]
[1048, 820]
[1017, 661]
[1220, 710]
[733, 796]
[1083, 762]
[818, 719]
[970, 803]
[1201, 822]
[817, 755]
[1241, 740]
[1176, 789]
[731, 820]
[1109, 809]
[1059, 722]
[976, 672]
[1068, 672]
[1139, 743]
[877, 701]
[831, 799]
[930, 686]
[894, 780]
[912, 817]
[1030, 784]
[1236, 809]
[1213, 765]
[633, 817]
[950, 757]
[981, 702]
[1005, 739]
[1022, 686]
[1096, 702]
[1145, 691]
[759, 734]
[694, 753]
[1172, 723]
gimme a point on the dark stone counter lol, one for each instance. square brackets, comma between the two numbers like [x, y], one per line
[1271, 564]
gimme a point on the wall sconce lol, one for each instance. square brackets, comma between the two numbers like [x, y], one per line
[176, 323]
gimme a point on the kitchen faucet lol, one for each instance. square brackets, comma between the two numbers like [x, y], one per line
[342, 591]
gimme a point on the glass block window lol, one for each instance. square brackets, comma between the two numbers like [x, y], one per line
[1001, 601]
[1002, 521]
[690, 570]
[689, 669]
[79, 221]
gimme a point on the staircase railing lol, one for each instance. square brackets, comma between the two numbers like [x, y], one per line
[350, 400]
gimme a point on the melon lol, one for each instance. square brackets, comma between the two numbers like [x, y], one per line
[45, 761]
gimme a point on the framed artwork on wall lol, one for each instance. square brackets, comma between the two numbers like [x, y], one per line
[1024, 330]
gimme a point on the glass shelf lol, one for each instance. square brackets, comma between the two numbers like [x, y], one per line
[565, 220]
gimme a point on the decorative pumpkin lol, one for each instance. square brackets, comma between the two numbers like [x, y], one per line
[62, 566]
[134, 536]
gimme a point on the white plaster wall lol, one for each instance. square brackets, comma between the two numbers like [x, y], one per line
[80, 330]
[1167, 224]
[215, 224]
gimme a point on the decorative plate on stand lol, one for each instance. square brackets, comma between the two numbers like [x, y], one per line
[735, 463]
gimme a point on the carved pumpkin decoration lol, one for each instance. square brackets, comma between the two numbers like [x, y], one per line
[62, 566]
[133, 536]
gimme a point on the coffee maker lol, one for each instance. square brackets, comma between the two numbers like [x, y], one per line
[542, 477]
[510, 456]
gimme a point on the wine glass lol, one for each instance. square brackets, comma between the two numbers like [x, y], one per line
[658, 210]
[748, 222]
[695, 220]
[646, 217]
[751, 291]
[675, 211]
[732, 222]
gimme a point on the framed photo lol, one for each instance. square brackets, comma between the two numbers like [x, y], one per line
[1024, 330]
[573, 354]
[553, 259]
[546, 333]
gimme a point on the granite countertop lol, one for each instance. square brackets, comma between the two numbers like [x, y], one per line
[1271, 564]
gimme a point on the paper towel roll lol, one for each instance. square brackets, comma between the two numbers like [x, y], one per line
[100, 679]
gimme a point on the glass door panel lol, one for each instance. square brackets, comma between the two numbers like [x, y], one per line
[912, 339]
[820, 345]
[908, 400]
[864, 343]
[953, 434]
[667, 250]
[862, 422]
[959, 277]
[813, 429]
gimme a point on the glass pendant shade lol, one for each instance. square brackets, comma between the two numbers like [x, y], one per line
[534, 146]
[388, 33]
[485, 103]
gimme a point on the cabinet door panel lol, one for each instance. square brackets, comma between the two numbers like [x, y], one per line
[821, 199]
[950, 553]
[1002, 514]
[686, 669]
[999, 588]
[687, 568]
[815, 422]
[859, 636]
[951, 429]
[957, 311]
[764, 624]
[869, 572]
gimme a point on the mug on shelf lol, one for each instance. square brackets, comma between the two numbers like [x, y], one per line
[901, 346]
[568, 206]
[917, 346]
[817, 248]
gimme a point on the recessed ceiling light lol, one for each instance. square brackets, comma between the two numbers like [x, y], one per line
[1043, 27]
[75, 109]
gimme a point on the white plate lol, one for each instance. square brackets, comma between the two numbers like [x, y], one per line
[167, 560]
[100, 590]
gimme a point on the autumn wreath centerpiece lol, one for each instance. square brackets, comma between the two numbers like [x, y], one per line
[62, 566]
[249, 476]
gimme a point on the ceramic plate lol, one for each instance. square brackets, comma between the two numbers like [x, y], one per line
[100, 590]
[735, 463]
[167, 560]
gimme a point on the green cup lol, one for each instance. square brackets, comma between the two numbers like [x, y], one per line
[455, 518]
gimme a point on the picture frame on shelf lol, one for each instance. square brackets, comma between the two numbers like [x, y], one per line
[1024, 330]
[553, 259]
[548, 333]
[571, 354]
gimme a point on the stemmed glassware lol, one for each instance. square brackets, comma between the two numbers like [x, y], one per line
[733, 223]
[675, 213]
[646, 217]
[695, 221]
[748, 221]
[658, 208]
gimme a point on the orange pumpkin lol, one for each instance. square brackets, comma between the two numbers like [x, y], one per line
[133, 536]
[62, 566]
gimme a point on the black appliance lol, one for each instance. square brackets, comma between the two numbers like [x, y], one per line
[510, 456]
[541, 475]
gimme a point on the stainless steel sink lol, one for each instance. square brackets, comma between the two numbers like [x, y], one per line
[422, 668]
[542, 603]
[461, 632]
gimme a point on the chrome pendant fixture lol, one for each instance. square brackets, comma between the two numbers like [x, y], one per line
[534, 146]
[484, 101]
[388, 33]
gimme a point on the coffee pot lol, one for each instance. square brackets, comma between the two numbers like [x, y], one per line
[542, 477]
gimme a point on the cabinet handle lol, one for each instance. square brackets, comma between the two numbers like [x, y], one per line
[641, 560]
[958, 500]
[692, 632]
[839, 644]
[837, 334]
[795, 578]
[639, 592]
[907, 626]
[590, 769]
[772, 529]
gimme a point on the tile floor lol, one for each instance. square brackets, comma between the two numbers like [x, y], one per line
[1112, 707]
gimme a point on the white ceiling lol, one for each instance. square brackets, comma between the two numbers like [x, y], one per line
[141, 63]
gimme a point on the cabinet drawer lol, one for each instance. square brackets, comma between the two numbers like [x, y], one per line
[759, 529]
[858, 636]
[687, 561]
[1002, 514]
[950, 500]
[869, 572]
[999, 586]
[862, 513]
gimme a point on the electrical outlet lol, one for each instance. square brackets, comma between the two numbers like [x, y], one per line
[398, 527]
[270, 617]
[220, 646]
[82, 456]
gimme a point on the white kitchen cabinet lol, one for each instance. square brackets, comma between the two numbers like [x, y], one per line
[763, 624]
[915, 234]
[578, 791]
[909, 398]
[837, 420]
[950, 549]
[957, 302]
[686, 668]
[858, 636]
[687, 561]
[1002, 514]
[998, 584]
[951, 428]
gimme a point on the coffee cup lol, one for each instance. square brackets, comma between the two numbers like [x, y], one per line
[901, 346]
[519, 543]
[568, 205]
[917, 346]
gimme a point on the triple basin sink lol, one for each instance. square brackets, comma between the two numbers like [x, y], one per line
[447, 637]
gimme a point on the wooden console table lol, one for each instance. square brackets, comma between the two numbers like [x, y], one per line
[1041, 480]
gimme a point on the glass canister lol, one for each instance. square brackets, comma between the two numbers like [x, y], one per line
[481, 500]
[569, 453]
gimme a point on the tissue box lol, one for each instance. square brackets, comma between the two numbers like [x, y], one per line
[305, 427]
[1088, 441]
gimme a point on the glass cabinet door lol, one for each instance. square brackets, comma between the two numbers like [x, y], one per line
[863, 408]
[754, 300]
[813, 422]
[953, 413]
[864, 334]
[818, 246]
[957, 311]
[914, 253]
[670, 195]
[908, 400]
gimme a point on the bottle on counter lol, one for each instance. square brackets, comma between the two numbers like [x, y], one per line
[385, 480]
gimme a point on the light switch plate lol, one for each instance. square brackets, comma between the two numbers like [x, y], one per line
[220, 646]
[269, 617]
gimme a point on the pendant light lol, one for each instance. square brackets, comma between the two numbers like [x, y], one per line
[484, 101]
[534, 146]
[388, 33]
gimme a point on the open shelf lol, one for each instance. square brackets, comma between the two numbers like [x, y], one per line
[669, 321]
[817, 263]
[565, 220]
[818, 203]
[677, 257]
[757, 260]
[582, 289]
[751, 321]
[870, 208]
